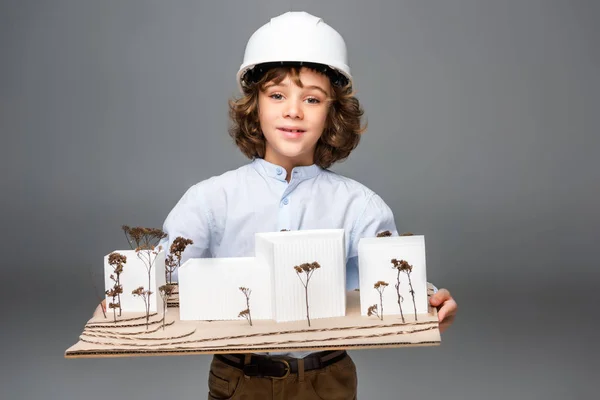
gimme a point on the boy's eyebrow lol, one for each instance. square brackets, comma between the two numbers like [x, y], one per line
[319, 88]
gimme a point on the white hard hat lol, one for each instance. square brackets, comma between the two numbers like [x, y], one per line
[295, 38]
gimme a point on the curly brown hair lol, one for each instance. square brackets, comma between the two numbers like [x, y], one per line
[342, 129]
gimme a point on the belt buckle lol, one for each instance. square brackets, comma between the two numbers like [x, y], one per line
[288, 369]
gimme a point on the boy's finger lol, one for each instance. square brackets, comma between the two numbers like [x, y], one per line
[439, 297]
[449, 308]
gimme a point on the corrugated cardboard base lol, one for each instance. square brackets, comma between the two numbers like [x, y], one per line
[129, 336]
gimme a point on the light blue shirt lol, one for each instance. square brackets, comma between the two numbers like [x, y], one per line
[223, 213]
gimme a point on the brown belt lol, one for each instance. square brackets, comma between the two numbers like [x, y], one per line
[280, 367]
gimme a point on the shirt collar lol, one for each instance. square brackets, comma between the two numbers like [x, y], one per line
[266, 168]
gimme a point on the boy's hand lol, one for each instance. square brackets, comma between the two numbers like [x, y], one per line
[446, 306]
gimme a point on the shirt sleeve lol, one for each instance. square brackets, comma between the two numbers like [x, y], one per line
[190, 219]
[376, 217]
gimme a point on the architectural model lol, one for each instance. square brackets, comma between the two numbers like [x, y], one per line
[289, 296]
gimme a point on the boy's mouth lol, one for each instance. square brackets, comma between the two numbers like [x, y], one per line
[292, 130]
[291, 133]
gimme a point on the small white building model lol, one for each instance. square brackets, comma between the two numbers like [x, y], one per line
[134, 275]
[374, 260]
[209, 288]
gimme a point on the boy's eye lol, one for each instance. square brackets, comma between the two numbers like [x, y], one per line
[313, 100]
[276, 96]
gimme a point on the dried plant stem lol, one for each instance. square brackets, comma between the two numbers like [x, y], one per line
[119, 295]
[306, 295]
[145, 241]
[145, 255]
[249, 314]
[309, 269]
[165, 291]
[381, 304]
[412, 292]
[246, 313]
[147, 304]
[164, 312]
[399, 296]
[173, 260]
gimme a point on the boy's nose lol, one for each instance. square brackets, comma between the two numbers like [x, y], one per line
[294, 110]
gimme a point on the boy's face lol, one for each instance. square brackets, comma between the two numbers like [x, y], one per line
[292, 118]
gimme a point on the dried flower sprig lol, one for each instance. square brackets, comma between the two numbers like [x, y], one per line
[396, 264]
[380, 287]
[173, 260]
[308, 269]
[407, 268]
[139, 236]
[114, 292]
[384, 234]
[145, 295]
[116, 260]
[373, 311]
[165, 291]
[146, 241]
[246, 313]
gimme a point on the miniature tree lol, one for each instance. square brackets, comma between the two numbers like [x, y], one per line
[116, 260]
[113, 292]
[246, 313]
[397, 266]
[145, 295]
[173, 260]
[309, 270]
[140, 237]
[145, 241]
[384, 234]
[380, 287]
[407, 268]
[373, 311]
[170, 267]
[165, 291]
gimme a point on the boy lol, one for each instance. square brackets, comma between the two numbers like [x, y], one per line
[297, 117]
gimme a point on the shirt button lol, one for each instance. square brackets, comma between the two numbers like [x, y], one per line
[286, 201]
[279, 170]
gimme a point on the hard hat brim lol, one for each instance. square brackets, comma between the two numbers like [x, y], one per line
[253, 73]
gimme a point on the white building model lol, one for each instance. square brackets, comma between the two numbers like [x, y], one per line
[375, 257]
[209, 287]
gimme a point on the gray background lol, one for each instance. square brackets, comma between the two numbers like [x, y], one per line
[483, 135]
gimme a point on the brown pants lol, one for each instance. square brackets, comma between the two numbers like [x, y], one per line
[337, 381]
